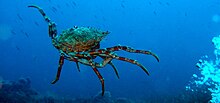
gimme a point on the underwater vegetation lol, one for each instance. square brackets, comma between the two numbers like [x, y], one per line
[209, 76]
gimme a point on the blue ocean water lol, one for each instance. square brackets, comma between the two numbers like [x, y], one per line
[178, 31]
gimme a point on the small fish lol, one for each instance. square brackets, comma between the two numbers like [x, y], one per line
[54, 9]
[186, 14]
[103, 18]
[13, 32]
[95, 17]
[34, 58]
[167, 3]
[122, 5]
[160, 3]
[67, 5]
[19, 17]
[36, 23]
[26, 34]
[74, 3]
[130, 32]
[17, 48]
[155, 13]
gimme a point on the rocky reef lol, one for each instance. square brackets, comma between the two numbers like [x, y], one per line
[21, 92]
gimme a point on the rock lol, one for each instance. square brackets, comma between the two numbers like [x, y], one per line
[106, 98]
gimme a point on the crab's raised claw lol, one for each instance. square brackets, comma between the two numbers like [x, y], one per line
[52, 30]
[61, 61]
[51, 25]
[47, 19]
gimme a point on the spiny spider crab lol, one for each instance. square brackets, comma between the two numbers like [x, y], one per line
[82, 45]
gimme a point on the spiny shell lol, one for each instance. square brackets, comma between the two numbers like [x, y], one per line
[80, 38]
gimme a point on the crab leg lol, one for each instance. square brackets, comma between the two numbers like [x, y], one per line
[97, 73]
[100, 78]
[86, 62]
[102, 64]
[51, 25]
[121, 58]
[75, 59]
[125, 48]
[115, 69]
[110, 63]
[77, 65]
[129, 49]
[61, 61]
[130, 61]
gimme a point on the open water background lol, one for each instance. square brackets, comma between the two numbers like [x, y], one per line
[178, 31]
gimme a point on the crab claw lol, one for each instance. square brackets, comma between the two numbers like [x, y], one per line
[47, 19]
[51, 25]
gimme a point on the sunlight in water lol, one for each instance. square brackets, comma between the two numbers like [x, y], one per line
[5, 32]
[210, 73]
[216, 18]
